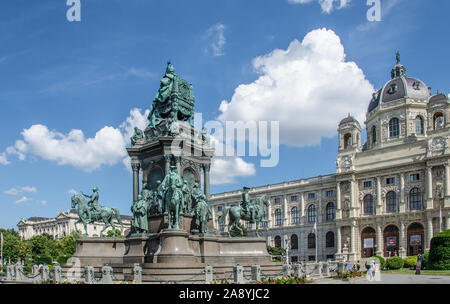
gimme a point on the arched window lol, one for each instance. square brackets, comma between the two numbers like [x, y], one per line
[419, 125]
[438, 120]
[394, 130]
[278, 219]
[277, 241]
[329, 239]
[331, 211]
[311, 213]
[311, 240]
[374, 135]
[294, 241]
[221, 225]
[415, 199]
[347, 140]
[294, 215]
[391, 202]
[368, 204]
[264, 217]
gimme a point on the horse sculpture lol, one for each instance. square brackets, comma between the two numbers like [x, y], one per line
[173, 201]
[236, 214]
[106, 214]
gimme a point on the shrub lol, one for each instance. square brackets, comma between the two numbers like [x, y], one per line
[395, 262]
[425, 258]
[381, 259]
[410, 261]
[439, 258]
[63, 259]
[43, 259]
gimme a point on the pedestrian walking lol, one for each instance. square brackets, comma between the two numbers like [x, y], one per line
[419, 264]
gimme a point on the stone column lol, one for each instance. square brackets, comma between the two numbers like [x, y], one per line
[338, 201]
[206, 169]
[402, 241]
[379, 206]
[429, 232]
[269, 214]
[447, 222]
[338, 242]
[402, 205]
[302, 208]
[379, 240]
[135, 167]
[354, 239]
[178, 164]
[285, 211]
[352, 197]
[447, 186]
[429, 183]
[167, 162]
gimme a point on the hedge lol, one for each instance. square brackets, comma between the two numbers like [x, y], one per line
[439, 258]
[410, 261]
[44, 259]
[394, 262]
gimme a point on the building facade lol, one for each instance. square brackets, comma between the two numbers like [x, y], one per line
[63, 224]
[387, 197]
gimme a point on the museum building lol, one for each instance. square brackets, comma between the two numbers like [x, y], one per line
[64, 224]
[388, 197]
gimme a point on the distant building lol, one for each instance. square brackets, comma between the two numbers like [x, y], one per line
[63, 224]
[387, 197]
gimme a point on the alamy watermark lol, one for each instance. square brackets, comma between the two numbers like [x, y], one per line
[374, 12]
[74, 11]
[238, 138]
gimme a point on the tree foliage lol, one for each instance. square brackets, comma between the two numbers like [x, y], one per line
[439, 258]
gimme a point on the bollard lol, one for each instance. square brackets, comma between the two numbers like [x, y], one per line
[89, 274]
[57, 273]
[137, 271]
[299, 270]
[341, 267]
[286, 270]
[107, 274]
[256, 273]
[317, 269]
[44, 273]
[208, 274]
[326, 269]
[34, 270]
[238, 271]
[10, 272]
[19, 272]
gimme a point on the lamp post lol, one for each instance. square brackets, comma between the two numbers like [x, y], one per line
[287, 250]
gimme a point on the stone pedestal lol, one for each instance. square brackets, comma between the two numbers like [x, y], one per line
[175, 248]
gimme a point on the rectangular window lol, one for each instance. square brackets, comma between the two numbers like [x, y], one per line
[311, 258]
[390, 181]
[368, 184]
[311, 195]
[330, 193]
[294, 198]
[277, 200]
[414, 177]
[219, 208]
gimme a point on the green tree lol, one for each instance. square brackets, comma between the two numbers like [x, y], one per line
[439, 258]
[110, 233]
[68, 244]
[12, 246]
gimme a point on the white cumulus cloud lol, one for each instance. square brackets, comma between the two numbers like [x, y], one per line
[20, 190]
[107, 147]
[326, 5]
[308, 88]
[3, 160]
[224, 170]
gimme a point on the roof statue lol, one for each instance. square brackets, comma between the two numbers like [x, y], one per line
[397, 57]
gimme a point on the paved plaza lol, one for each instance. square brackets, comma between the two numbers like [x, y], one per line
[393, 279]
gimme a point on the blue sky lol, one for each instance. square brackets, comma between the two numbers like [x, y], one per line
[88, 75]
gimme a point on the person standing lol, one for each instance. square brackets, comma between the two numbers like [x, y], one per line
[419, 264]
